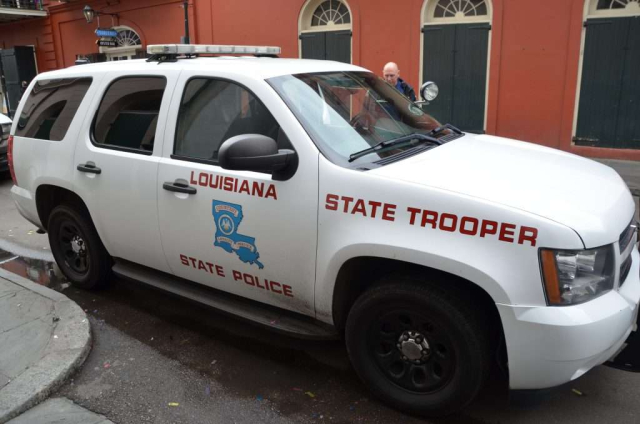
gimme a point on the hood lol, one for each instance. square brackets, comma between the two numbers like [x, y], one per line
[580, 193]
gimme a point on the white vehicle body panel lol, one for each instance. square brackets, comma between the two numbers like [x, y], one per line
[41, 169]
[313, 229]
[574, 191]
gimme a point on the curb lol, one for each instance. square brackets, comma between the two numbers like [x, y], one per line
[60, 360]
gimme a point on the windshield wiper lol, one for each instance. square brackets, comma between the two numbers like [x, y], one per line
[392, 142]
[441, 128]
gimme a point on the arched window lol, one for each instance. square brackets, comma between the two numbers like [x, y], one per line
[443, 11]
[325, 30]
[127, 38]
[128, 45]
[613, 8]
[330, 12]
[325, 15]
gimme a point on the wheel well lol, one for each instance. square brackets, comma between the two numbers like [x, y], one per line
[50, 196]
[358, 274]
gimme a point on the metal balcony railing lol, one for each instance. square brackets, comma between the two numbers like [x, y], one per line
[22, 4]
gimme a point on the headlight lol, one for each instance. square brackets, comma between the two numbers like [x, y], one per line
[576, 276]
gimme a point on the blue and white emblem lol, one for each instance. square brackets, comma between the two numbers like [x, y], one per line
[228, 217]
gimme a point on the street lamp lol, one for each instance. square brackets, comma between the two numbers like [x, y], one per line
[89, 14]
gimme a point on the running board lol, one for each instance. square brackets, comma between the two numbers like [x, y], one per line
[290, 323]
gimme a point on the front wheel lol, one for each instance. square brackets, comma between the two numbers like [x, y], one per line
[418, 347]
[77, 248]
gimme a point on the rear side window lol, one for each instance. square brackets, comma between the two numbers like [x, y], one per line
[128, 114]
[50, 107]
[212, 111]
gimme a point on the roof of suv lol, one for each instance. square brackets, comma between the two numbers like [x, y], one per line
[257, 67]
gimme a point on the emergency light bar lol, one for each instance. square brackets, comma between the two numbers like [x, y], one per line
[186, 49]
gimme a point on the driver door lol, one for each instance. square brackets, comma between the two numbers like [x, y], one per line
[237, 231]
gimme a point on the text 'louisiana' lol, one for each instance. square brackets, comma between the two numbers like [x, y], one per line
[252, 188]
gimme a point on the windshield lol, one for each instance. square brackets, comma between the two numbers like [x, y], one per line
[347, 112]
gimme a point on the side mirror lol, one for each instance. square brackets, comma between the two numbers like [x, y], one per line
[429, 91]
[255, 152]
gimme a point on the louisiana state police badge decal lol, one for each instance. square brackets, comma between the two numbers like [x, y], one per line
[227, 218]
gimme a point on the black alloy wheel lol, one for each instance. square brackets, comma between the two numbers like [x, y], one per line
[421, 348]
[77, 248]
[412, 351]
[72, 244]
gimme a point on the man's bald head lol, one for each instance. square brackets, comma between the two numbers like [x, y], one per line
[390, 72]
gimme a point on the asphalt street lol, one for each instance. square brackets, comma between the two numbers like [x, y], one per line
[161, 359]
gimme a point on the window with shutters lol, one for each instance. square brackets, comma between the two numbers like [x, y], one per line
[325, 30]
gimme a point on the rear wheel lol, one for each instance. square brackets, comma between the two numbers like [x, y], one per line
[77, 248]
[418, 347]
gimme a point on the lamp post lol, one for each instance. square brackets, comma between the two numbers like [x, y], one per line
[185, 39]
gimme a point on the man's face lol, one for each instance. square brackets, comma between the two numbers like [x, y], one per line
[391, 73]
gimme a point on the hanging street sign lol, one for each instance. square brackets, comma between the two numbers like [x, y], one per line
[106, 32]
[106, 42]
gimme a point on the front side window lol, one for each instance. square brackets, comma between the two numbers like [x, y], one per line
[50, 107]
[347, 112]
[212, 111]
[128, 114]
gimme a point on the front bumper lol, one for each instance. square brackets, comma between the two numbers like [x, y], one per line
[549, 346]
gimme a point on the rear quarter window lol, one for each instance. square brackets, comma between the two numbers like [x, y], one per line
[50, 107]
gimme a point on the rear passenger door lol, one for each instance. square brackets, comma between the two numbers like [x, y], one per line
[116, 163]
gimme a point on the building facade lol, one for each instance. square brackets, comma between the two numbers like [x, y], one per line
[561, 73]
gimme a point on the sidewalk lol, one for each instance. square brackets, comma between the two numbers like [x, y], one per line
[629, 171]
[44, 338]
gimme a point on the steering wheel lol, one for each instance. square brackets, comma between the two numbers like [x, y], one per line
[362, 122]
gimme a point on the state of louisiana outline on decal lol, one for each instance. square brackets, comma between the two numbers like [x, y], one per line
[227, 218]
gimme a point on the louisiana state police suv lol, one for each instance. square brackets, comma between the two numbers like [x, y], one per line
[315, 187]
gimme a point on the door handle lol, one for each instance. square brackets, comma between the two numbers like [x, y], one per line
[89, 167]
[179, 187]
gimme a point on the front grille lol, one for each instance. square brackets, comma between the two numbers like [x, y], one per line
[626, 237]
[624, 270]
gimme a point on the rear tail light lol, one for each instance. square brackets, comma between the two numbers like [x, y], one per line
[10, 157]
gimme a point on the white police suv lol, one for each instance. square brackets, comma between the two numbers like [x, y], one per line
[312, 197]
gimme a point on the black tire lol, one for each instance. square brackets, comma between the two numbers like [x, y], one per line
[77, 248]
[385, 333]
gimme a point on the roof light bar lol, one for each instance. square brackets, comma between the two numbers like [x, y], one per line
[210, 49]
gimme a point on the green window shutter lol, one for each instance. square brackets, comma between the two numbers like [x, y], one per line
[470, 76]
[313, 45]
[628, 127]
[339, 46]
[438, 65]
[601, 85]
